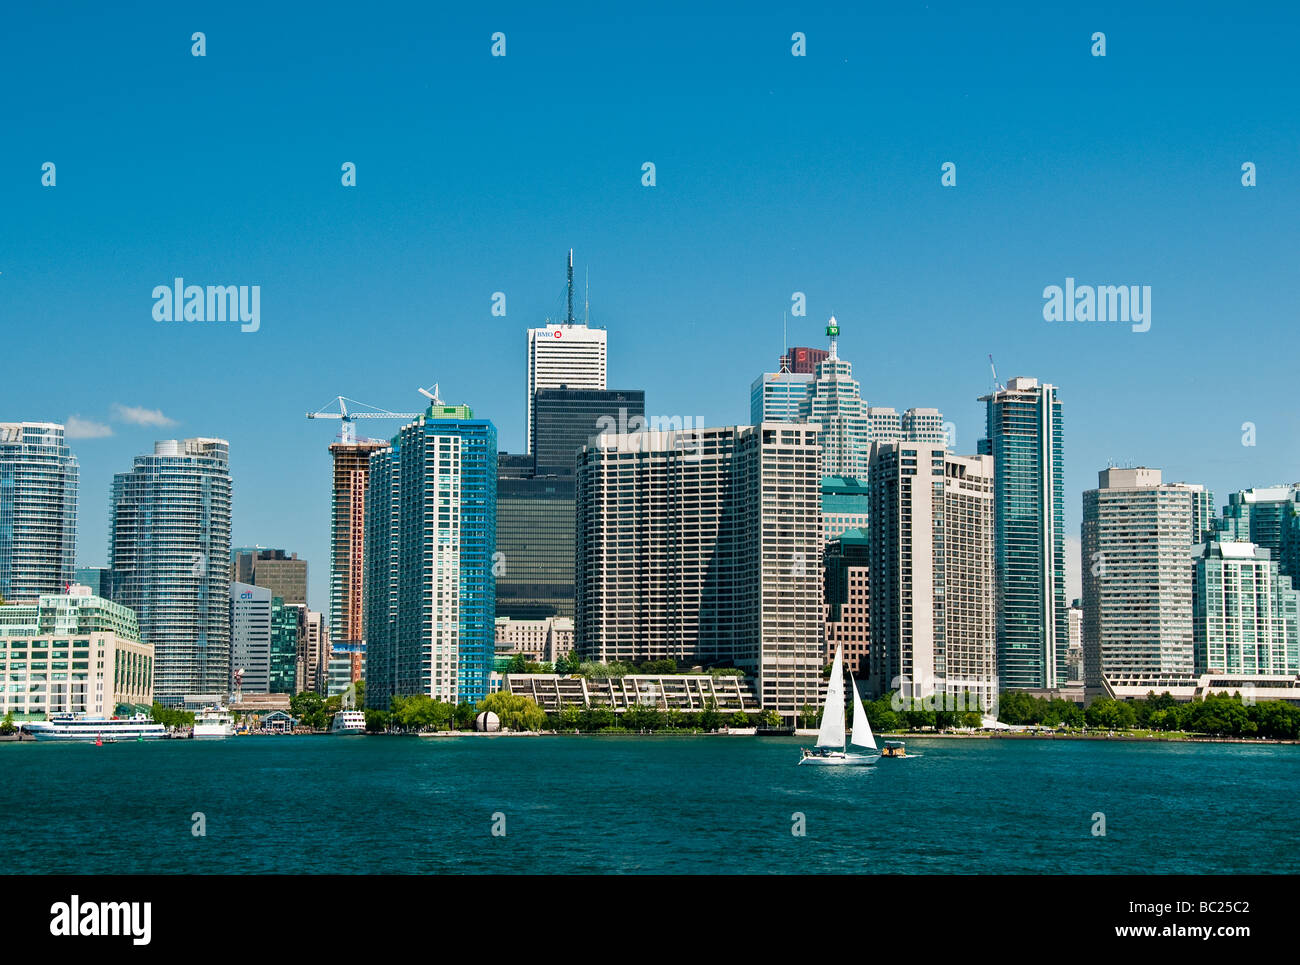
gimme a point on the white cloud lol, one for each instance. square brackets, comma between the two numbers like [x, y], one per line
[78, 428]
[140, 416]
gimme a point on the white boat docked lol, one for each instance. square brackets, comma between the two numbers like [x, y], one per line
[349, 722]
[99, 730]
[831, 749]
[214, 722]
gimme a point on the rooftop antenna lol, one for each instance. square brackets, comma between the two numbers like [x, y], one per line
[570, 319]
[586, 299]
[785, 348]
[833, 332]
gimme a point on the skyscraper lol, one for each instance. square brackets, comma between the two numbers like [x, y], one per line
[931, 564]
[279, 571]
[779, 397]
[38, 510]
[535, 545]
[567, 354]
[430, 540]
[705, 547]
[347, 540]
[1244, 612]
[1137, 580]
[848, 599]
[1023, 435]
[1267, 516]
[250, 638]
[169, 549]
[564, 419]
[835, 403]
[802, 360]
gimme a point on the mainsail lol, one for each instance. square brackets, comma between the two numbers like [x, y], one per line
[832, 729]
[862, 736]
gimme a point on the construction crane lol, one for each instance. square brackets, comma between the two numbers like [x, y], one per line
[996, 384]
[347, 416]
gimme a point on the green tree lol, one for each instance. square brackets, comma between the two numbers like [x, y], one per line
[515, 711]
[464, 715]
[376, 721]
[710, 719]
[738, 719]
[7, 725]
[309, 707]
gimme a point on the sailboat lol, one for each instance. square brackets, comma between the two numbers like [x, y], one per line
[831, 749]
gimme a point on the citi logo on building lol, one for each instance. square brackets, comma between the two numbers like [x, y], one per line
[1103, 303]
[75, 918]
[215, 303]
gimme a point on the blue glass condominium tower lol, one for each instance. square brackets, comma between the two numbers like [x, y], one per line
[38, 510]
[430, 606]
[169, 550]
[1024, 439]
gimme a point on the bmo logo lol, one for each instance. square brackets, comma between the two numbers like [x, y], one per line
[558, 333]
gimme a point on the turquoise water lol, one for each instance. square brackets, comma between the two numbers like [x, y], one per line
[719, 805]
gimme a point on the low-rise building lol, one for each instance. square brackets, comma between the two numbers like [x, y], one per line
[684, 692]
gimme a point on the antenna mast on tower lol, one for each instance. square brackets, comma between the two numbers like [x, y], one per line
[570, 319]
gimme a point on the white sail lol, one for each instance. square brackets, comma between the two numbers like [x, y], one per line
[832, 729]
[862, 736]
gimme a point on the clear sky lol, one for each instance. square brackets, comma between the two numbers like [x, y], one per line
[774, 174]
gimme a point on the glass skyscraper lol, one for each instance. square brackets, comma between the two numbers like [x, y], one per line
[535, 546]
[1268, 517]
[1024, 438]
[431, 526]
[38, 510]
[169, 550]
[565, 419]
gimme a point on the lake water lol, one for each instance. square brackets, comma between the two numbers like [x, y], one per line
[701, 805]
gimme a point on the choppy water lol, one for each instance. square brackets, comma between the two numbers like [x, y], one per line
[717, 805]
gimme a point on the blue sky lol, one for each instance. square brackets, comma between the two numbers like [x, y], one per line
[775, 174]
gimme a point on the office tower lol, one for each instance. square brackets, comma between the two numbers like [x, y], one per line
[169, 550]
[1024, 437]
[885, 424]
[1245, 613]
[92, 643]
[283, 670]
[98, 578]
[568, 354]
[312, 660]
[1205, 521]
[38, 510]
[931, 560]
[705, 547]
[347, 665]
[250, 638]
[431, 520]
[564, 419]
[848, 599]
[845, 505]
[348, 539]
[535, 546]
[1074, 651]
[924, 425]
[779, 397]
[835, 403]
[282, 573]
[1137, 580]
[803, 361]
[1268, 517]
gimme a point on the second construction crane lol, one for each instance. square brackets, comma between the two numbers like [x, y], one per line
[348, 416]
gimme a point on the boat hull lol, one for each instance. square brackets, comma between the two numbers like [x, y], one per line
[840, 760]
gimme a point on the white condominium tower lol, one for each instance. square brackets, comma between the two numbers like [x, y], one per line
[169, 549]
[931, 563]
[704, 546]
[1137, 580]
[38, 510]
[565, 355]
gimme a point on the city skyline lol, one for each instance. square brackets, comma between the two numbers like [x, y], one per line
[696, 271]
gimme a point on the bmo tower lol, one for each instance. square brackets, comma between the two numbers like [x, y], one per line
[564, 355]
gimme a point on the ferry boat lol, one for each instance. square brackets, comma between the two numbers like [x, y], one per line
[214, 722]
[79, 727]
[349, 722]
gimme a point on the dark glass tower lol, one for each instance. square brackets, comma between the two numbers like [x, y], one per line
[1024, 438]
[564, 419]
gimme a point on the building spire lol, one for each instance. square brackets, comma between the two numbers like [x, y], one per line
[833, 331]
[570, 317]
